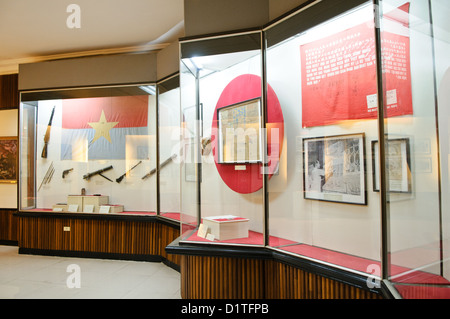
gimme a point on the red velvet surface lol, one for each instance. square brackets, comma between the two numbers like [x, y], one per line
[423, 292]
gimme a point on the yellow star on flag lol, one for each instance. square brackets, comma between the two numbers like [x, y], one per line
[102, 128]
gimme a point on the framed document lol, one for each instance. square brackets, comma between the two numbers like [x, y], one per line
[8, 159]
[239, 133]
[398, 165]
[334, 169]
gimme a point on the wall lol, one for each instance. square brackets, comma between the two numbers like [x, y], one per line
[214, 16]
[8, 127]
[89, 71]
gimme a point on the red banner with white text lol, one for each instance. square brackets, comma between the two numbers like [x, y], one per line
[339, 80]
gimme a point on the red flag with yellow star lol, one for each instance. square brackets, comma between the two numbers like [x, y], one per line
[105, 128]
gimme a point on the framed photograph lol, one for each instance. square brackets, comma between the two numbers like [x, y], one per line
[398, 165]
[239, 133]
[334, 169]
[8, 159]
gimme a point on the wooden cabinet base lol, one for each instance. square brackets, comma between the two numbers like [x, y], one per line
[132, 238]
[212, 277]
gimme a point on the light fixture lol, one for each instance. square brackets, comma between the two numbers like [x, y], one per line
[149, 89]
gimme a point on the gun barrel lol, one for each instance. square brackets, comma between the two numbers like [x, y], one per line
[153, 171]
[47, 135]
[89, 175]
[119, 179]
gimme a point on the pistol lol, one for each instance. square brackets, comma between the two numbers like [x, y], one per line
[67, 171]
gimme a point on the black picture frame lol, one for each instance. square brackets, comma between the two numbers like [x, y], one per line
[334, 168]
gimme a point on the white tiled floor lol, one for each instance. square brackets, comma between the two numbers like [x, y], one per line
[45, 277]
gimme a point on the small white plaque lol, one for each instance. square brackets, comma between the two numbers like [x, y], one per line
[88, 208]
[104, 209]
[202, 230]
[73, 208]
[240, 167]
[391, 97]
[372, 101]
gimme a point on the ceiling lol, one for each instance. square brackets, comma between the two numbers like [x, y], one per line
[32, 31]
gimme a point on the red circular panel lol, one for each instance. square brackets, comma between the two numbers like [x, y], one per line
[243, 88]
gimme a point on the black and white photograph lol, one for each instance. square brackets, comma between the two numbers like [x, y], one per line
[334, 169]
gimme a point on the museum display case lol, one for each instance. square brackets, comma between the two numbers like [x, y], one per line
[223, 133]
[323, 137]
[416, 226]
[169, 148]
[89, 150]
[91, 174]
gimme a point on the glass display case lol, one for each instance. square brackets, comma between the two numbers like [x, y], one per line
[169, 148]
[93, 150]
[223, 131]
[324, 136]
[415, 39]
[321, 203]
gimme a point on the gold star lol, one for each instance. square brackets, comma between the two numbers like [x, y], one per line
[102, 128]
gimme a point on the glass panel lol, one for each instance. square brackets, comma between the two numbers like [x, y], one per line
[415, 43]
[27, 153]
[189, 173]
[169, 147]
[222, 112]
[322, 203]
[91, 151]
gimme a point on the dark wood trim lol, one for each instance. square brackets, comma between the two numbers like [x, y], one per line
[9, 227]
[97, 255]
[90, 216]
[9, 242]
[9, 91]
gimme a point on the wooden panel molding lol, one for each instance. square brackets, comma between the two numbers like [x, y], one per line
[207, 277]
[9, 91]
[8, 226]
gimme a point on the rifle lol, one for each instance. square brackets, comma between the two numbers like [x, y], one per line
[153, 171]
[99, 172]
[118, 180]
[48, 176]
[47, 135]
[67, 171]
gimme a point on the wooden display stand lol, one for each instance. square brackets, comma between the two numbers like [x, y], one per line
[227, 227]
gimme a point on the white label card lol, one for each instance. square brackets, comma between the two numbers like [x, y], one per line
[202, 230]
[104, 209]
[73, 208]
